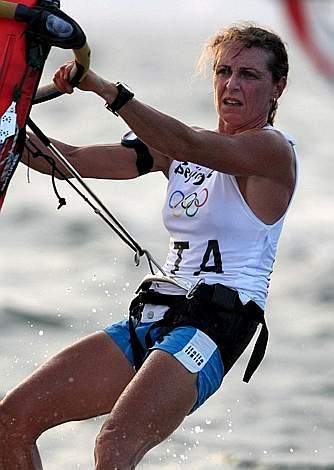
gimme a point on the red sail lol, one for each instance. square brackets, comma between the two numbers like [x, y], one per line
[15, 75]
[313, 23]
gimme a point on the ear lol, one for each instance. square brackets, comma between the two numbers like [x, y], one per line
[279, 87]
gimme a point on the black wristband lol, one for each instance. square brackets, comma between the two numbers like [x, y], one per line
[124, 95]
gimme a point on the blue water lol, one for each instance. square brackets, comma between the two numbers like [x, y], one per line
[64, 274]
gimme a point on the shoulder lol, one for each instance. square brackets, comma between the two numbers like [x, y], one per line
[270, 146]
[268, 138]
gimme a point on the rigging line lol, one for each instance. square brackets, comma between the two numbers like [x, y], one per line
[44, 139]
[152, 262]
[51, 162]
[114, 224]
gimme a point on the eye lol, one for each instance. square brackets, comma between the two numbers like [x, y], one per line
[223, 70]
[249, 74]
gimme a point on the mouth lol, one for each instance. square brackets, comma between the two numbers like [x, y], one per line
[232, 102]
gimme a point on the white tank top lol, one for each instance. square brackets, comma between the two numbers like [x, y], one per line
[214, 235]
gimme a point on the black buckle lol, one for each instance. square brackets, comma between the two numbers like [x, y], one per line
[218, 294]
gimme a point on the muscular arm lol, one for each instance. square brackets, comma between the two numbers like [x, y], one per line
[257, 152]
[261, 159]
[107, 161]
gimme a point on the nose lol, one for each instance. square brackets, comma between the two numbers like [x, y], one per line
[233, 82]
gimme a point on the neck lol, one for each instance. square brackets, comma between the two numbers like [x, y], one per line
[227, 128]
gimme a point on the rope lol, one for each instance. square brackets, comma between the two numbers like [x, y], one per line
[102, 212]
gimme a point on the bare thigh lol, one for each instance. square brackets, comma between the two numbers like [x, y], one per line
[151, 407]
[82, 381]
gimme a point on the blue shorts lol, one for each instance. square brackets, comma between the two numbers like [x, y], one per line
[190, 346]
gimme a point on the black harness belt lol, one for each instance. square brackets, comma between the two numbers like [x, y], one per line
[214, 309]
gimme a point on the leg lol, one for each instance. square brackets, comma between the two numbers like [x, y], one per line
[83, 381]
[151, 407]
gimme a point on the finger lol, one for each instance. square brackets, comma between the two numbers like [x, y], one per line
[61, 78]
[62, 85]
[67, 69]
[64, 72]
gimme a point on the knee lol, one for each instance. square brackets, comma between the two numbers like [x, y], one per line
[120, 447]
[109, 452]
[7, 419]
[14, 426]
[115, 449]
[7, 425]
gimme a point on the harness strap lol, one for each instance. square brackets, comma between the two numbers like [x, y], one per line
[229, 299]
[217, 295]
[137, 348]
[257, 353]
[138, 351]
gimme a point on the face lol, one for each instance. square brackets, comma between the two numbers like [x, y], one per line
[243, 88]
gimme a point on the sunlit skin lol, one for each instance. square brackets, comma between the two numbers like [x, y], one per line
[243, 88]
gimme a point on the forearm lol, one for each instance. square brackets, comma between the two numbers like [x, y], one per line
[159, 131]
[110, 161]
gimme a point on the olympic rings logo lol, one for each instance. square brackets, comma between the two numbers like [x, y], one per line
[190, 204]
